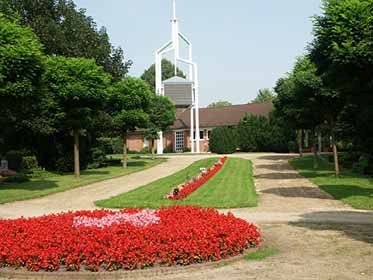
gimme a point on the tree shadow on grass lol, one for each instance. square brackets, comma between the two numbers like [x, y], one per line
[278, 157]
[304, 192]
[347, 191]
[35, 185]
[356, 225]
[278, 176]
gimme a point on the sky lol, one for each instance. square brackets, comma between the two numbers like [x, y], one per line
[240, 46]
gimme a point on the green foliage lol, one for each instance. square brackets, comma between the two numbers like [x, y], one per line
[223, 140]
[265, 95]
[128, 104]
[29, 163]
[69, 32]
[261, 134]
[17, 178]
[343, 53]
[21, 69]
[168, 71]
[261, 254]
[162, 114]
[98, 158]
[78, 89]
[219, 104]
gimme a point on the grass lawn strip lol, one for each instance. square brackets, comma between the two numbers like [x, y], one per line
[232, 187]
[54, 183]
[351, 188]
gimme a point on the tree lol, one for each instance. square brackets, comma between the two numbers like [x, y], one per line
[66, 31]
[264, 96]
[162, 114]
[168, 71]
[343, 53]
[299, 99]
[22, 65]
[219, 104]
[78, 90]
[128, 106]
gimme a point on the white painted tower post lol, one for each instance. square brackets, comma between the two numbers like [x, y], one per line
[174, 46]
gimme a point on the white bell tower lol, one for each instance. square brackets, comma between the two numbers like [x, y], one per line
[191, 94]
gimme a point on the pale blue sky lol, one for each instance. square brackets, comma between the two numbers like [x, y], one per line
[240, 45]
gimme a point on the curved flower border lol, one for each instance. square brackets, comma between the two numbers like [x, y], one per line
[184, 190]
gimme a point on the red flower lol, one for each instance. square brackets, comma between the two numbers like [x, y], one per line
[184, 235]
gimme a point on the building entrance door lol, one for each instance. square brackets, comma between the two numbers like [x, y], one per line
[179, 141]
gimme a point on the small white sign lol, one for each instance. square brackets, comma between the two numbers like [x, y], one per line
[4, 165]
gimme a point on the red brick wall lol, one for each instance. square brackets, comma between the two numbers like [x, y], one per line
[135, 142]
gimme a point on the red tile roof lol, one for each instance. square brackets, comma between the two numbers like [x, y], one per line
[225, 116]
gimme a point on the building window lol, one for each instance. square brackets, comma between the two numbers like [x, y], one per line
[146, 143]
[179, 141]
[201, 135]
[208, 134]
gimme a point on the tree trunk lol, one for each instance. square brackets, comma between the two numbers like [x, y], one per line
[315, 154]
[336, 159]
[153, 148]
[76, 154]
[300, 142]
[125, 154]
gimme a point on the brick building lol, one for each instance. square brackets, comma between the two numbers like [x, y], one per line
[177, 138]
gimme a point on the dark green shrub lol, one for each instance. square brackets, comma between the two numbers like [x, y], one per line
[292, 146]
[363, 165]
[65, 164]
[14, 159]
[98, 158]
[223, 140]
[187, 150]
[29, 163]
[17, 178]
[145, 150]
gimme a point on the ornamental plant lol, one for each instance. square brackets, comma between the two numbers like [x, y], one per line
[130, 239]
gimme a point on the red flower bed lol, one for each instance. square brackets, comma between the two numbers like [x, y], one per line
[173, 236]
[192, 186]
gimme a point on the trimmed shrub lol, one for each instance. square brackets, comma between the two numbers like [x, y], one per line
[29, 163]
[223, 140]
[98, 158]
[16, 178]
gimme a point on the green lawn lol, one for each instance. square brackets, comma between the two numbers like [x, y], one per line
[232, 187]
[53, 183]
[351, 188]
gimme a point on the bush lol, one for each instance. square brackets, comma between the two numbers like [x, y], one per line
[223, 140]
[98, 158]
[14, 159]
[16, 178]
[169, 149]
[65, 164]
[29, 163]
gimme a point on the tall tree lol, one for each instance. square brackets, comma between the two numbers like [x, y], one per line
[162, 114]
[168, 71]
[66, 31]
[21, 67]
[128, 106]
[343, 53]
[219, 104]
[78, 89]
[264, 95]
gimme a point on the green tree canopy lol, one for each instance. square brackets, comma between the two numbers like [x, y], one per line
[168, 71]
[21, 68]
[219, 104]
[77, 88]
[128, 106]
[264, 95]
[66, 31]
